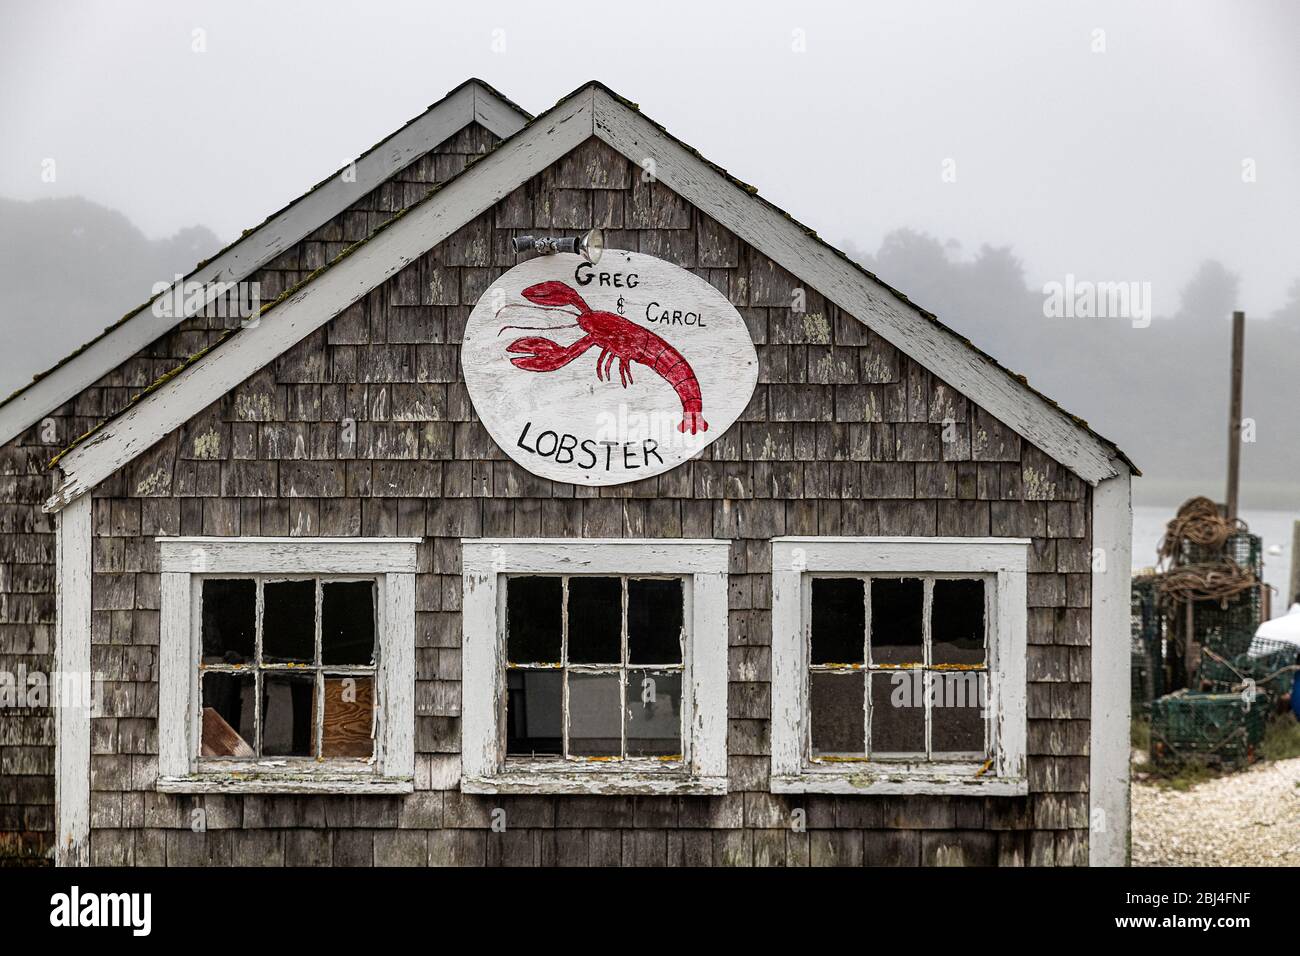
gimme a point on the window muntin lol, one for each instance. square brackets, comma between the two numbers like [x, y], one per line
[594, 667]
[898, 667]
[287, 667]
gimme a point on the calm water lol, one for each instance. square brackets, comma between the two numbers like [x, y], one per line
[1274, 527]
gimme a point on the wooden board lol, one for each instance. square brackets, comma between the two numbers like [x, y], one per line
[220, 739]
[348, 728]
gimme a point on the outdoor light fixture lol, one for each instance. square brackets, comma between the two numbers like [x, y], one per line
[589, 246]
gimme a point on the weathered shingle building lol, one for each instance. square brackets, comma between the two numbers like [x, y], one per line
[794, 575]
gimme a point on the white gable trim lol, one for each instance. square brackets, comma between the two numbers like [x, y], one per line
[471, 102]
[572, 121]
[385, 254]
[898, 322]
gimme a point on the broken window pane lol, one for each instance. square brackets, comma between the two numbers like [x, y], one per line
[838, 621]
[897, 713]
[838, 715]
[956, 713]
[289, 621]
[533, 613]
[654, 719]
[534, 712]
[229, 620]
[896, 635]
[229, 715]
[957, 622]
[654, 621]
[595, 620]
[288, 708]
[595, 724]
[349, 717]
[347, 622]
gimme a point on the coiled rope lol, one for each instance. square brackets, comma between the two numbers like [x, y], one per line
[1199, 522]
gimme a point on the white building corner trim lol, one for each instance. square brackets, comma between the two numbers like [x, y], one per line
[1108, 784]
[72, 658]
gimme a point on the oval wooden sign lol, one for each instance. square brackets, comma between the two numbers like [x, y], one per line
[607, 373]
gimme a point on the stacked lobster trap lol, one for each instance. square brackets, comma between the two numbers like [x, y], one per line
[1208, 683]
[1218, 730]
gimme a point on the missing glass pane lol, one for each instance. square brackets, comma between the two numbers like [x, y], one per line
[533, 620]
[654, 620]
[838, 718]
[534, 713]
[289, 621]
[838, 621]
[654, 719]
[595, 620]
[896, 635]
[288, 709]
[595, 724]
[349, 717]
[229, 620]
[229, 715]
[957, 622]
[347, 622]
[897, 713]
[956, 714]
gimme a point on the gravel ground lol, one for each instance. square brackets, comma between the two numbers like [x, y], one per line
[1250, 818]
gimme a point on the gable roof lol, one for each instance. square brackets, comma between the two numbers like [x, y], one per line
[472, 101]
[592, 110]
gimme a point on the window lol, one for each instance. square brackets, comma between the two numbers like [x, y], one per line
[898, 665]
[594, 666]
[287, 665]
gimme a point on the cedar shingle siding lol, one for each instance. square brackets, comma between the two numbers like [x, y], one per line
[844, 436]
[27, 534]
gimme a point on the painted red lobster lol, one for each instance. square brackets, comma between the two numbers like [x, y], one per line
[617, 338]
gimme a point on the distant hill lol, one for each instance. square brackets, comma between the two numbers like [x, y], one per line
[69, 268]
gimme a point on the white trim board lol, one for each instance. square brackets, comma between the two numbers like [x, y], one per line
[72, 663]
[1108, 766]
[900, 323]
[591, 111]
[472, 101]
[198, 555]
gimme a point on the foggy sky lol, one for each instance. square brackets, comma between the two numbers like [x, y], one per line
[1120, 166]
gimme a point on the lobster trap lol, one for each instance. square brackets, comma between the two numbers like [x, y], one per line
[1217, 730]
[1147, 645]
[1266, 667]
[1241, 548]
[1227, 627]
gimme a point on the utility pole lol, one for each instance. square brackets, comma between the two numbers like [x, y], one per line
[1234, 412]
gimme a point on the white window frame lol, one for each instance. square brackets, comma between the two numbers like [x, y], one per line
[185, 562]
[795, 560]
[487, 562]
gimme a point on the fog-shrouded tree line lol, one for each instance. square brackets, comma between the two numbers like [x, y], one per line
[70, 267]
